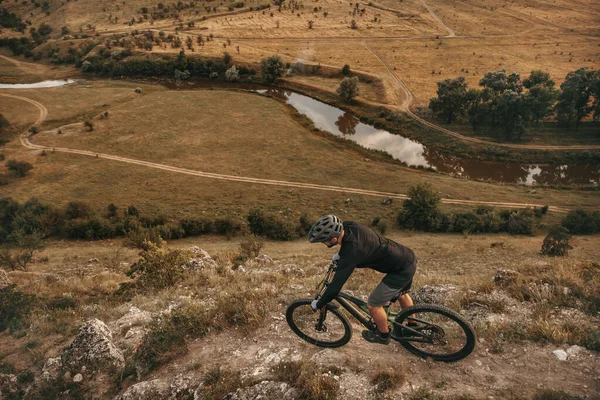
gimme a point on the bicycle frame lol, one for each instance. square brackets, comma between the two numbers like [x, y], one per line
[358, 309]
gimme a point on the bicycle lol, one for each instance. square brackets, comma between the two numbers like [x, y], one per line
[427, 330]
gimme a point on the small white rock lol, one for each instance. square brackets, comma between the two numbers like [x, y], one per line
[479, 363]
[560, 354]
[78, 378]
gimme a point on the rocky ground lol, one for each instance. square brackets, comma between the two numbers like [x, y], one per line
[247, 362]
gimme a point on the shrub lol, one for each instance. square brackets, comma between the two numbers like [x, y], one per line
[551, 394]
[195, 227]
[218, 383]
[89, 229]
[348, 88]
[241, 309]
[346, 70]
[61, 303]
[270, 226]
[77, 209]
[89, 125]
[557, 242]
[388, 379]
[225, 226]
[251, 247]
[158, 268]
[420, 211]
[232, 74]
[305, 223]
[19, 168]
[580, 222]
[162, 342]
[3, 122]
[311, 381]
[15, 308]
[271, 68]
[520, 222]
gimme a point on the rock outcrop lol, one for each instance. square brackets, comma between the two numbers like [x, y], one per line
[94, 349]
[264, 390]
[155, 389]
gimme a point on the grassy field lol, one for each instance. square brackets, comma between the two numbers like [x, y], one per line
[156, 126]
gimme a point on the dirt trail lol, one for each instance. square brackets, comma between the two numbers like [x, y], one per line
[438, 19]
[44, 112]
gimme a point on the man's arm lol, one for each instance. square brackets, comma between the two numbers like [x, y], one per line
[340, 277]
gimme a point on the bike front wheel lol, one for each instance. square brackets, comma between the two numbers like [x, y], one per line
[437, 332]
[323, 328]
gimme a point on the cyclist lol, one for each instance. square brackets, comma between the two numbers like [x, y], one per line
[360, 247]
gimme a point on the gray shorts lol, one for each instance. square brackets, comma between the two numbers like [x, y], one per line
[382, 294]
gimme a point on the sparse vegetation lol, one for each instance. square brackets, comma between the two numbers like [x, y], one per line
[19, 168]
[557, 242]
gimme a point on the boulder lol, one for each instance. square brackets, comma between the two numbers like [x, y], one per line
[264, 259]
[93, 348]
[504, 277]
[8, 384]
[291, 269]
[264, 390]
[200, 259]
[435, 294]
[183, 386]
[135, 317]
[148, 390]
[560, 354]
[4, 279]
[51, 369]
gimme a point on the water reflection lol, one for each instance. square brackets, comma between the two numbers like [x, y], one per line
[37, 85]
[340, 123]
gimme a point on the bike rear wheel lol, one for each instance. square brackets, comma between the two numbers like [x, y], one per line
[323, 328]
[447, 336]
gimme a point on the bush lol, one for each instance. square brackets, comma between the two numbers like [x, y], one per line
[271, 68]
[232, 74]
[520, 222]
[195, 227]
[225, 226]
[19, 168]
[346, 70]
[90, 229]
[77, 209]
[305, 223]
[3, 122]
[158, 268]
[270, 226]
[580, 222]
[15, 308]
[557, 242]
[163, 342]
[251, 247]
[420, 211]
[348, 88]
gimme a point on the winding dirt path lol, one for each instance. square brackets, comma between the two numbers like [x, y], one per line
[438, 19]
[44, 113]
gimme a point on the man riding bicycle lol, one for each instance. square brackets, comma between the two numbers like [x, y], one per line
[363, 248]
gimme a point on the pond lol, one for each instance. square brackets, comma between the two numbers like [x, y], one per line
[348, 126]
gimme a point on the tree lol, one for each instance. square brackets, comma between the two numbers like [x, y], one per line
[499, 81]
[19, 168]
[226, 58]
[574, 98]
[595, 91]
[232, 74]
[310, 23]
[26, 245]
[476, 108]
[346, 70]
[348, 88]
[511, 113]
[541, 95]
[451, 100]
[271, 68]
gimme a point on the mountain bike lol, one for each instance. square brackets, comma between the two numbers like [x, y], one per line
[427, 330]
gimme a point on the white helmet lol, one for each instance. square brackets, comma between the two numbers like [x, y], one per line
[326, 228]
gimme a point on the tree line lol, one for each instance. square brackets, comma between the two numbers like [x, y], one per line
[506, 102]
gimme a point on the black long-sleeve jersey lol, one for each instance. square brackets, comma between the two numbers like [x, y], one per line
[363, 248]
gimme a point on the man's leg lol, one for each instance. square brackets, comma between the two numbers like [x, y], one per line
[380, 318]
[405, 300]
